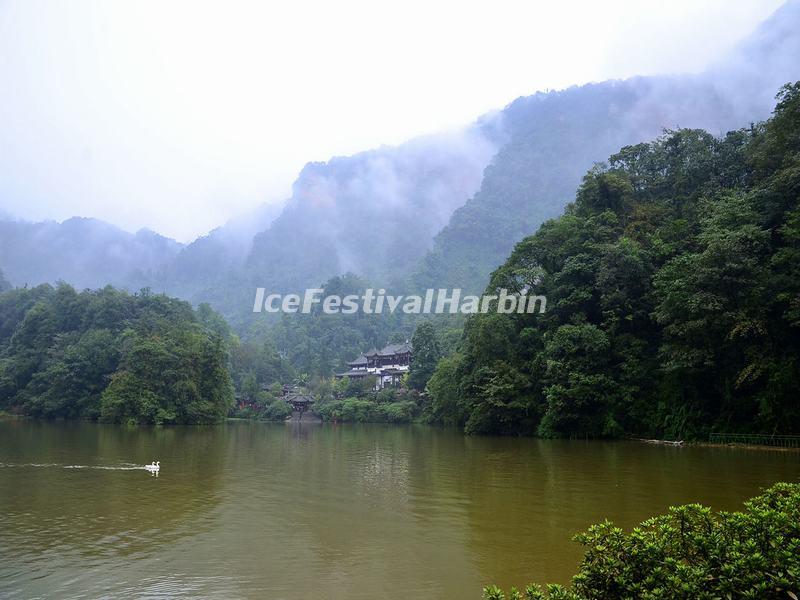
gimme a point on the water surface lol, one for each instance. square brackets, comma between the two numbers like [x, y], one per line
[319, 511]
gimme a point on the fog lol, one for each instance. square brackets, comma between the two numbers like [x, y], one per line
[180, 116]
[374, 213]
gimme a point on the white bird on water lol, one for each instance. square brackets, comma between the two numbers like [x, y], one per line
[153, 467]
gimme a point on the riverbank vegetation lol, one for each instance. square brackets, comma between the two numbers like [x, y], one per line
[111, 356]
[673, 298]
[386, 406]
[690, 552]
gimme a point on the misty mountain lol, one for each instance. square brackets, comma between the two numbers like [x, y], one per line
[90, 253]
[374, 213]
[445, 211]
[199, 269]
[86, 253]
[555, 137]
[438, 211]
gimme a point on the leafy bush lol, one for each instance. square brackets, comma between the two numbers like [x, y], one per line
[398, 412]
[349, 410]
[386, 395]
[690, 552]
[357, 410]
[243, 413]
[278, 410]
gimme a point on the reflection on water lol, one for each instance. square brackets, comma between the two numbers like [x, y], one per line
[290, 511]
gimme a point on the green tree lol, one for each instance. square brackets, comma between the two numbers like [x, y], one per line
[110, 355]
[690, 552]
[425, 353]
[672, 299]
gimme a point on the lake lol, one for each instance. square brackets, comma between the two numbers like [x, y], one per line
[293, 511]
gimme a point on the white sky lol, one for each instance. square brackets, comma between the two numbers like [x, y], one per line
[179, 115]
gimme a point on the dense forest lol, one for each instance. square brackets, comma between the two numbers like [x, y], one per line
[555, 136]
[673, 298]
[111, 356]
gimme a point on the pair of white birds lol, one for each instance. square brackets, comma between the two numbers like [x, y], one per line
[154, 466]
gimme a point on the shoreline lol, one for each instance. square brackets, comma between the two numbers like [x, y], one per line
[698, 444]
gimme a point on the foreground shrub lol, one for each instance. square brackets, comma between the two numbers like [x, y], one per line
[349, 410]
[690, 553]
[398, 412]
[277, 410]
[357, 410]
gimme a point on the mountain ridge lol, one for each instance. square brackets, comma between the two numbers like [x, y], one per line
[441, 210]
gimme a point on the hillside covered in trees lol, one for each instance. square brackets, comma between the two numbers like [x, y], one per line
[673, 298]
[111, 356]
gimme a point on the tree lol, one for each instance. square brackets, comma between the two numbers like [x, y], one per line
[577, 387]
[425, 353]
[110, 355]
[672, 292]
[444, 389]
[250, 387]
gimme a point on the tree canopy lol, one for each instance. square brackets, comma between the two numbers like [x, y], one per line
[673, 298]
[424, 356]
[690, 552]
[109, 355]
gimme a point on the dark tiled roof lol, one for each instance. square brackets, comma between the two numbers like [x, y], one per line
[389, 350]
[355, 373]
[300, 399]
[392, 349]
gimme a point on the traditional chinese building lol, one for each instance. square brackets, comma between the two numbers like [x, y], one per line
[387, 365]
[299, 399]
[300, 402]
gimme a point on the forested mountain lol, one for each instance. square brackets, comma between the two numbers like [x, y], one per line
[555, 137]
[548, 141]
[673, 297]
[209, 269]
[376, 213]
[111, 356]
[89, 253]
[84, 252]
[428, 213]
[373, 214]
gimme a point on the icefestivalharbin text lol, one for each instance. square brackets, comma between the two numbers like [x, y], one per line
[377, 302]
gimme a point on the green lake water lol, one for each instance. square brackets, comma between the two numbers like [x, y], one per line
[250, 510]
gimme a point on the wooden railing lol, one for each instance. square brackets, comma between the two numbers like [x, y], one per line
[755, 439]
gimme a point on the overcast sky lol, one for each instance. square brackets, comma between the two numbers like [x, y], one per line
[179, 115]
